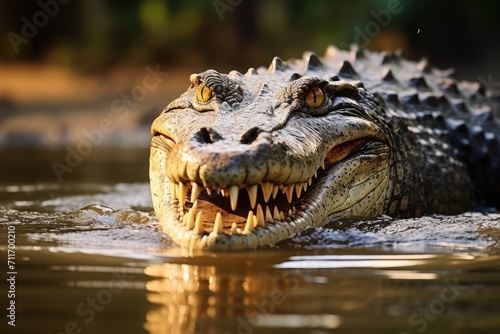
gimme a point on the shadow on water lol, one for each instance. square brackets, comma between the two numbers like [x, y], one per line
[89, 259]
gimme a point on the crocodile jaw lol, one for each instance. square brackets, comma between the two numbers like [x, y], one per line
[336, 192]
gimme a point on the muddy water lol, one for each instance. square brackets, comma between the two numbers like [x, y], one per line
[90, 259]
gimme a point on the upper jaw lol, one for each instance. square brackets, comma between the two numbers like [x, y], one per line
[228, 163]
[216, 159]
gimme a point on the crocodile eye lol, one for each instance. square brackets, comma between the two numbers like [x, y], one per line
[315, 97]
[203, 93]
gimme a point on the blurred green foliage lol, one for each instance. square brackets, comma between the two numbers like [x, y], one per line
[96, 34]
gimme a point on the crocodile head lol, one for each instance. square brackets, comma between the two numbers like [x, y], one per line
[240, 161]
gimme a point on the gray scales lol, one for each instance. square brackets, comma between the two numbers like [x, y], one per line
[246, 160]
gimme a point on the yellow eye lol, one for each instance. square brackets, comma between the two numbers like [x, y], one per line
[315, 97]
[203, 93]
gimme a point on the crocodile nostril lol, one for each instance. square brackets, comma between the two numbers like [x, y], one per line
[206, 136]
[250, 135]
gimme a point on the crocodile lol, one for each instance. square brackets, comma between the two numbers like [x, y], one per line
[240, 161]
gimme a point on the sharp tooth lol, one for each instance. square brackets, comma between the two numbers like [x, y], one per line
[234, 229]
[282, 215]
[252, 194]
[172, 187]
[275, 190]
[249, 224]
[269, 216]
[290, 213]
[276, 213]
[323, 165]
[294, 210]
[195, 192]
[209, 191]
[198, 225]
[315, 174]
[190, 216]
[260, 216]
[304, 186]
[233, 196]
[224, 192]
[218, 190]
[183, 190]
[289, 193]
[267, 189]
[218, 224]
[298, 189]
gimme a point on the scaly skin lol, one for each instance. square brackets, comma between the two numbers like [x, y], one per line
[240, 161]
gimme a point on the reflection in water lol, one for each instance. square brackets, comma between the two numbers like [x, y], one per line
[231, 293]
[229, 297]
[216, 298]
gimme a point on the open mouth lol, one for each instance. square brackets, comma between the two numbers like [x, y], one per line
[242, 209]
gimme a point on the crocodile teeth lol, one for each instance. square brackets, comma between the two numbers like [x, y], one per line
[217, 224]
[255, 222]
[289, 193]
[183, 190]
[267, 189]
[233, 196]
[252, 194]
[234, 229]
[269, 216]
[298, 189]
[195, 191]
[260, 216]
[275, 191]
[198, 225]
[276, 213]
[249, 225]
[191, 215]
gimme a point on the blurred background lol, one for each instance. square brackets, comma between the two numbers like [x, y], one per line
[81, 81]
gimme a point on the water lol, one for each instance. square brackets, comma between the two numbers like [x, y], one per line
[90, 259]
